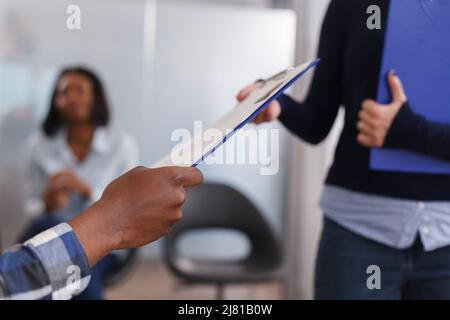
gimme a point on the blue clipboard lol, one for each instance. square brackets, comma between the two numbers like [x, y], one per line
[275, 96]
[417, 46]
[237, 118]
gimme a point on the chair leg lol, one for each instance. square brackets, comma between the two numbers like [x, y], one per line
[220, 291]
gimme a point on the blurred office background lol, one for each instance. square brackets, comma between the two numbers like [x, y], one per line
[166, 64]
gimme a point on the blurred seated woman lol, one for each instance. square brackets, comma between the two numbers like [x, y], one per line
[74, 157]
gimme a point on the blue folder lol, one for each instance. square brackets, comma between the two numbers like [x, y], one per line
[417, 46]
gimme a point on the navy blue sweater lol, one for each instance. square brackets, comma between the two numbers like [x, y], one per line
[348, 74]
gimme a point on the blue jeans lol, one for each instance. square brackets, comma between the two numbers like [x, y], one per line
[94, 290]
[344, 257]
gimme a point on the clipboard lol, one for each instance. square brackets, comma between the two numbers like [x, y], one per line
[417, 47]
[196, 150]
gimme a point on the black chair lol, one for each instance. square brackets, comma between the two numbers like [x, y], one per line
[126, 259]
[219, 206]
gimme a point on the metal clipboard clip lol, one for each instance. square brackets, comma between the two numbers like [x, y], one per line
[278, 76]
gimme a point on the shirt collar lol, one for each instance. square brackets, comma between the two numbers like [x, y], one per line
[101, 142]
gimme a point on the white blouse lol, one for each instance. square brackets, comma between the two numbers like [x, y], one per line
[112, 154]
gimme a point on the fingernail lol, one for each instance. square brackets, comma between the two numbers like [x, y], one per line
[393, 72]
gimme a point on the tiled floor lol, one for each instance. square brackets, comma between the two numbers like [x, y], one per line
[152, 280]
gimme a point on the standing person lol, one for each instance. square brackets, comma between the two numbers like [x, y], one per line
[397, 221]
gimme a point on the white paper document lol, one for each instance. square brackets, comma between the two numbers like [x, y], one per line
[194, 151]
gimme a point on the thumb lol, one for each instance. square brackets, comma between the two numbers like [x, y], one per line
[244, 93]
[396, 86]
[189, 177]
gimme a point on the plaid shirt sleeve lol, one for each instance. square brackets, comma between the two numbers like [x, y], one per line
[52, 265]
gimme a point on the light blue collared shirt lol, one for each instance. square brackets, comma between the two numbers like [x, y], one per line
[390, 221]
